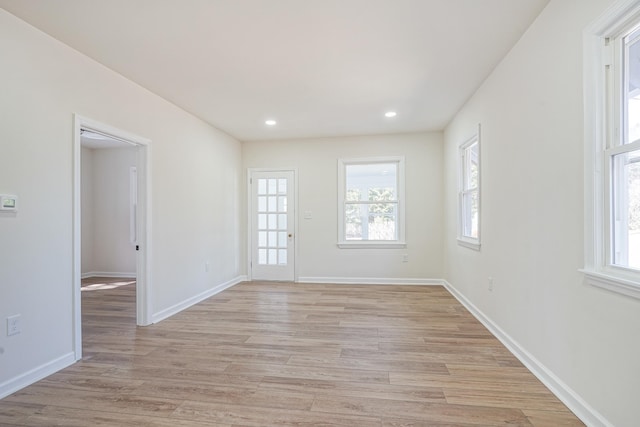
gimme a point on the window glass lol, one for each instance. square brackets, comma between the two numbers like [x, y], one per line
[469, 192]
[370, 193]
[626, 209]
[632, 87]
[366, 186]
[472, 165]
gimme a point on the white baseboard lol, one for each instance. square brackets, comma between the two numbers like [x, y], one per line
[110, 274]
[370, 281]
[36, 374]
[174, 309]
[562, 391]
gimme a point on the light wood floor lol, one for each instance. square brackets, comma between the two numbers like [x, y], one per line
[278, 354]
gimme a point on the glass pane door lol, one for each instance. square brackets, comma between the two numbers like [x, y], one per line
[272, 226]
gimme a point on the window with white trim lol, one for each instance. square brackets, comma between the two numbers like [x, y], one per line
[612, 168]
[469, 193]
[370, 202]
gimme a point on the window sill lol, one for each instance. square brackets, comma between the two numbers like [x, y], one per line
[469, 244]
[612, 283]
[372, 245]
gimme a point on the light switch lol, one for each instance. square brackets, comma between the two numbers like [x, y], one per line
[8, 203]
[307, 215]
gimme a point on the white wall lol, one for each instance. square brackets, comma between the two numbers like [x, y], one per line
[109, 249]
[43, 84]
[531, 113]
[316, 161]
[86, 201]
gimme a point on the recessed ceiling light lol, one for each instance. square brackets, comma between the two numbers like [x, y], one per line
[270, 122]
[390, 114]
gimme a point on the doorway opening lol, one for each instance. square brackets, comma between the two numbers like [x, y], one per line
[111, 222]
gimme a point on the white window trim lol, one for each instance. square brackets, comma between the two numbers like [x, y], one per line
[467, 241]
[597, 268]
[372, 244]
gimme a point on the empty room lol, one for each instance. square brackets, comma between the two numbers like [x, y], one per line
[332, 212]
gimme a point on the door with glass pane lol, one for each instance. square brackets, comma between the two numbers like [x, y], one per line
[272, 225]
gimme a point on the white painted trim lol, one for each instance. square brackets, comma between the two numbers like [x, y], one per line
[143, 256]
[144, 280]
[189, 302]
[469, 244]
[401, 203]
[249, 212]
[561, 390]
[616, 18]
[109, 274]
[77, 239]
[612, 283]
[371, 281]
[21, 381]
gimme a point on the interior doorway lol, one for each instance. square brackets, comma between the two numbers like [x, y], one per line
[118, 229]
[108, 234]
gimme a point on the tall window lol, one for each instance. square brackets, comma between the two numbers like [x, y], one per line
[370, 202]
[469, 194]
[612, 169]
[622, 155]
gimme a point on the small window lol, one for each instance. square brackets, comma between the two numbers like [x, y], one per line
[469, 193]
[371, 193]
[612, 136]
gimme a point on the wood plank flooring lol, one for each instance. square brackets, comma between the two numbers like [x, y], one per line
[281, 354]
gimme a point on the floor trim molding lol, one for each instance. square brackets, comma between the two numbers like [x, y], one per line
[110, 274]
[562, 391]
[370, 281]
[21, 381]
[174, 309]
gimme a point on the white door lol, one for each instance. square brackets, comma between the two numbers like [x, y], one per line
[272, 225]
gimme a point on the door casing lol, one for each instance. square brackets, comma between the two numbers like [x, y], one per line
[143, 219]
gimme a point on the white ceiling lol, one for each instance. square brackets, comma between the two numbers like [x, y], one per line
[318, 67]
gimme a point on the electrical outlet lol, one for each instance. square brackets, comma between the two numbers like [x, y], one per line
[405, 258]
[13, 325]
[490, 280]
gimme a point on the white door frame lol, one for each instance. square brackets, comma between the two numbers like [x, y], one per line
[250, 172]
[143, 218]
